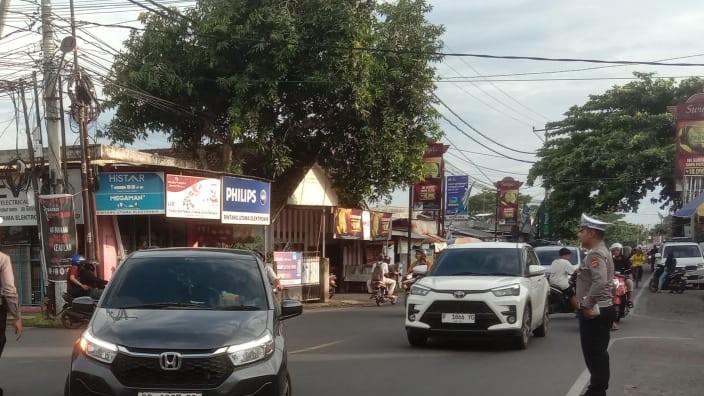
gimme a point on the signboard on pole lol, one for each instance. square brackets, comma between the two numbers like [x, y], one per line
[508, 199]
[427, 194]
[58, 233]
[245, 201]
[381, 226]
[130, 193]
[192, 197]
[457, 189]
[289, 268]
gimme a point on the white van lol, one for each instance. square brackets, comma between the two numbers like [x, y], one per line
[689, 258]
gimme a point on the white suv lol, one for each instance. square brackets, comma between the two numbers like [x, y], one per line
[689, 258]
[488, 288]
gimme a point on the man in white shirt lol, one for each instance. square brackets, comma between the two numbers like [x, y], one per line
[384, 269]
[561, 269]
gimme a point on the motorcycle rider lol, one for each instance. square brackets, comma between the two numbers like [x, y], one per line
[622, 264]
[88, 277]
[637, 261]
[380, 270]
[421, 259]
[75, 287]
[670, 265]
[560, 271]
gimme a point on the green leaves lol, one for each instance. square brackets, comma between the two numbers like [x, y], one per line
[606, 155]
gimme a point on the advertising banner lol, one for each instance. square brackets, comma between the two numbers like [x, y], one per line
[508, 199]
[245, 201]
[352, 224]
[457, 190]
[192, 197]
[381, 226]
[58, 233]
[690, 148]
[130, 193]
[427, 195]
[289, 268]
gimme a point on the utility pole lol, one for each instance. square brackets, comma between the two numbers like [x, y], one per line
[4, 7]
[51, 101]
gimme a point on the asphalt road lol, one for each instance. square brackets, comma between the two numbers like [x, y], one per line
[358, 351]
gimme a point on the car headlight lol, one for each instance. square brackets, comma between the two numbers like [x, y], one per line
[419, 290]
[251, 351]
[513, 290]
[97, 349]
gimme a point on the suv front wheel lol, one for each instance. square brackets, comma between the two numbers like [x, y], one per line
[416, 338]
[522, 339]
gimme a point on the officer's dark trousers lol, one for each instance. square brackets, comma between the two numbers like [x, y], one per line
[3, 324]
[595, 335]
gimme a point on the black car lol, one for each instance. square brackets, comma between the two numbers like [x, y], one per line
[185, 322]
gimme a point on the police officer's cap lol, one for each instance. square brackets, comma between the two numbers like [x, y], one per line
[588, 222]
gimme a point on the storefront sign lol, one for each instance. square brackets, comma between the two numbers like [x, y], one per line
[381, 226]
[427, 195]
[192, 197]
[689, 139]
[457, 192]
[17, 211]
[352, 224]
[245, 201]
[130, 193]
[508, 199]
[58, 233]
[289, 268]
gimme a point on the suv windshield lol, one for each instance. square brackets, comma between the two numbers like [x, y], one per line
[489, 262]
[682, 251]
[221, 283]
[547, 256]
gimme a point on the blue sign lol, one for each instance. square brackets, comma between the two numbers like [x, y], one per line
[245, 201]
[129, 193]
[457, 189]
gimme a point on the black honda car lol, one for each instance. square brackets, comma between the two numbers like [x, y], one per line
[185, 322]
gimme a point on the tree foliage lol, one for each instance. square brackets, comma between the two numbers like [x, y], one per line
[606, 155]
[345, 83]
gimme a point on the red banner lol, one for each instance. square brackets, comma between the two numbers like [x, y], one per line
[689, 145]
[348, 224]
[381, 226]
[508, 199]
[427, 194]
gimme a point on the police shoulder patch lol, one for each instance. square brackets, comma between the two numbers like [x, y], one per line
[595, 261]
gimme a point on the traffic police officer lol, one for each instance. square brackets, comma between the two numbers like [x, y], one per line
[596, 313]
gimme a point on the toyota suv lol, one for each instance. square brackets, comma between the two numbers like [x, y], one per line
[185, 322]
[487, 288]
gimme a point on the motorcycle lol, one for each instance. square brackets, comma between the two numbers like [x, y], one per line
[675, 282]
[380, 294]
[620, 300]
[408, 282]
[77, 312]
[332, 282]
[559, 301]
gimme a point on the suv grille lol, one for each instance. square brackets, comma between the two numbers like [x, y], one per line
[484, 318]
[145, 372]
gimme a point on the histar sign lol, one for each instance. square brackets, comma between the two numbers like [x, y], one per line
[245, 201]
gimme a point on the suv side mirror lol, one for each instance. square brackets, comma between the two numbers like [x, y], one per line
[290, 309]
[420, 270]
[535, 270]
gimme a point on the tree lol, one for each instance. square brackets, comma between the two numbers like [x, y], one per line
[607, 154]
[485, 202]
[277, 84]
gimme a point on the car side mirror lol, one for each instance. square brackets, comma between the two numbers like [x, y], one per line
[535, 270]
[420, 270]
[290, 309]
[658, 255]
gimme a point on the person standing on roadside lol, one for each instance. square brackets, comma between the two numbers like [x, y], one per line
[596, 312]
[9, 302]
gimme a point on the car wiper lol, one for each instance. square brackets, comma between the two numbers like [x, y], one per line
[164, 305]
[241, 308]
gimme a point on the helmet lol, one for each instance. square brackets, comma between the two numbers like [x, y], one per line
[76, 259]
[616, 246]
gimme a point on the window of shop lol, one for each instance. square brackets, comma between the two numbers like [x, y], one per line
[22, 245]
[139, 232]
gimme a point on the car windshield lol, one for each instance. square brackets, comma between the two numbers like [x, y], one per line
[547, 256]
[682, 251]
[219, 283]
[488, 262]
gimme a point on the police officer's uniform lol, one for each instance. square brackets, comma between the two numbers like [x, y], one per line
[594, 291]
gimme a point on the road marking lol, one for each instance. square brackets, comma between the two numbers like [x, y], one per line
[314, 348]
[583, 380]
[642, 289]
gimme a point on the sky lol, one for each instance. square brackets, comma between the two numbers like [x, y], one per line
[506, 110]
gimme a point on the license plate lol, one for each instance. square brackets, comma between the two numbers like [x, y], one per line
[458, 318]
[169, 394]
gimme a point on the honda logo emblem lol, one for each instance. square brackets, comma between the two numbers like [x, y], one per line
[459, 294]
[170, 361]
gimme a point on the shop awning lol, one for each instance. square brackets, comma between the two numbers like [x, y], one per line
[694, 206]
[404, 234]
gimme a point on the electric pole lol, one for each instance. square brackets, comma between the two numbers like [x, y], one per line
[4, 7]
[51, 101]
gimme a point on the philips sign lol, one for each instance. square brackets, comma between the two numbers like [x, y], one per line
[245, 201]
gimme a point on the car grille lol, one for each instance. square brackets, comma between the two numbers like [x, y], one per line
[145, 372]
[484, 318]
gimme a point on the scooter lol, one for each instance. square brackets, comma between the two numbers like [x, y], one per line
[675, 282]
[620, 300]
[332, 282]
[77, 312]
[380, 294]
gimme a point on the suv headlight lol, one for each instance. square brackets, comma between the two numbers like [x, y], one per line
[252, 351]
[503, 291]
[419, 290]
[97, 349]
